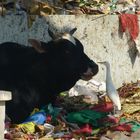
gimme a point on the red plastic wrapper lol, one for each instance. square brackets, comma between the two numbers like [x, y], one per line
[105, 107]
[122, 127]
[130, 22]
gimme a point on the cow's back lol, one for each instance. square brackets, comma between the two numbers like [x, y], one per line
[15, 62]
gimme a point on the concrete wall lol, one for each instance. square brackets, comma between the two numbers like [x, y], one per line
[99, 36]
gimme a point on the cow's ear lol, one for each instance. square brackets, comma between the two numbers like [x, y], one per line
[36, 44]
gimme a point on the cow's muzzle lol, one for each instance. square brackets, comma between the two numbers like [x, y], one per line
[91, 71]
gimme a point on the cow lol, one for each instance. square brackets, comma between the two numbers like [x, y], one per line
[36, 75]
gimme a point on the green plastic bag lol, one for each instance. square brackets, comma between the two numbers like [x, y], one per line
[86, 116]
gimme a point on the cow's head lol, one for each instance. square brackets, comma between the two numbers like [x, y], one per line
[66, 57]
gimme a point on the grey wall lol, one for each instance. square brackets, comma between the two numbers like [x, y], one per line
[99, 36]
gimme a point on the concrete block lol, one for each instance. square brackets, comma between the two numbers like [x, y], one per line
[4, 96]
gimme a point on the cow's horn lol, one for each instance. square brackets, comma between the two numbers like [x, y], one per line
[72, 31]
[51, 34]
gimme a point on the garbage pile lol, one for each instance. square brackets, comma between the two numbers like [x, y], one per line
[130, 95]
[66, 7]
[80, 114]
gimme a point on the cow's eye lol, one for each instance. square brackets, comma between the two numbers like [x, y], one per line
[67, 52]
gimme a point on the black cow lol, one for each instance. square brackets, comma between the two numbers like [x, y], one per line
[37, 74]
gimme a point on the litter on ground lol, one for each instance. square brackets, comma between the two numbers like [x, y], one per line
[74, 118]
